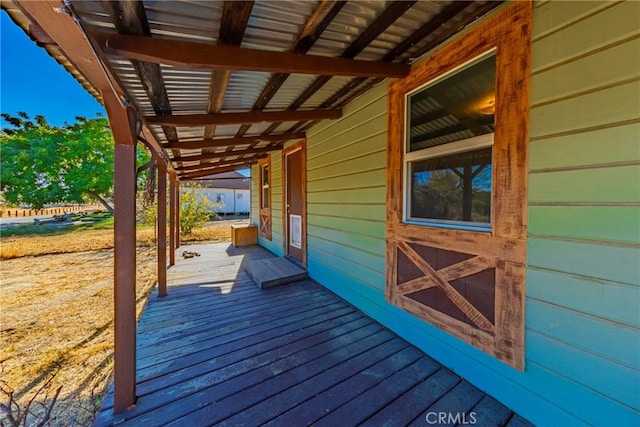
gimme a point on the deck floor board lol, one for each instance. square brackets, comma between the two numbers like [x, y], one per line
[220, 351]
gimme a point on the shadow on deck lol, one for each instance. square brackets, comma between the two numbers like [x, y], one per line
[220, 351]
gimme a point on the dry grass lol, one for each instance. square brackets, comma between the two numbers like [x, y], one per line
[94, 240]
[56, 308]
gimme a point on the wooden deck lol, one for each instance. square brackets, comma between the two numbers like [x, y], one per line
[220, 351]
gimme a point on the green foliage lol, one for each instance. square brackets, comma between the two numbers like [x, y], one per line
[195, 209]
[44, 164]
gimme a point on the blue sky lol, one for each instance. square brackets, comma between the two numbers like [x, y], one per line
[33, 82]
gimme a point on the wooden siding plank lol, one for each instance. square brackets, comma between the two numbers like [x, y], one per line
[589, 407]
[368, 160]
[315, 134]
[604, 146]
[606, 68]
[318, 181]
[370, 212]
[597, 31]
[585, 259]
[602, 375]
[346, 272]
[357, 268]
[355, 225]
[357, 256]
[616, 341]
[550, 18]
[359, 144]
[616, 104]
[604, 223]
[602, 185]
[363, 195]
[373, 245]
[372, 119]
[598, 298]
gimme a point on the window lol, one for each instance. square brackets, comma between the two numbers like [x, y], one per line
[448, 154]
[239, 196]
[264, 188]
[219, 197]
[456, 196]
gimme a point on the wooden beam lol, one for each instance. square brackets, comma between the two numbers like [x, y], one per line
[178, 205]
[235, 17]
[242, 152]
[172, 218]
[245, 117]
[230, 142]
[212, 171]
[186, 54]
[122, 121]
[200, 166]
[162, 227]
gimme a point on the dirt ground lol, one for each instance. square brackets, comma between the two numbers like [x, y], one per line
[56, 315]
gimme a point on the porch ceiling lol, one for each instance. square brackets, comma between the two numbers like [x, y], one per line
[220, 84]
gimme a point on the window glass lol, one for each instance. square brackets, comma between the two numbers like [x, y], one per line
[265, 187]
[456, 107]
[456, 187]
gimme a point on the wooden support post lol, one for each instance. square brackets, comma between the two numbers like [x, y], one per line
[177, 214]
[172, 218]
[123, 121]
[162, 227]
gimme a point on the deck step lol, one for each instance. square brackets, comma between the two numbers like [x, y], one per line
[274, 272]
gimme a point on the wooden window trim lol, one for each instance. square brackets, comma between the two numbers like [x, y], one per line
[509, 32]
[265, 219]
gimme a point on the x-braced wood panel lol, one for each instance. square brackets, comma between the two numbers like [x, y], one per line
[265, 223]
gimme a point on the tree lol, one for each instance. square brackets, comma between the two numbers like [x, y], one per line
[44, 164]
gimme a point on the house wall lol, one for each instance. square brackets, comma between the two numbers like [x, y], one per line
[582, 349]
[241, 197]
[275, 244]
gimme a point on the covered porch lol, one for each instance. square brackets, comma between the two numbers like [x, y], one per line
[217, 350]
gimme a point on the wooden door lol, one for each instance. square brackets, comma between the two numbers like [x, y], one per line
[295, 203]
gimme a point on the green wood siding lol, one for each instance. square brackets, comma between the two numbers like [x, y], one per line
[583, 294]
[346, 194]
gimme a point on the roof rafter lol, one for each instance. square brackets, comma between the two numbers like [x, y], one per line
[234, 162]
[129, 18]
[379, 26]
[215, 170]
[244, 117]
[235, 17]
[188, 54]
[230, 142]
[221, 155]
[349, 92]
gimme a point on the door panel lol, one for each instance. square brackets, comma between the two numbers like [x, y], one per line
[295, 204]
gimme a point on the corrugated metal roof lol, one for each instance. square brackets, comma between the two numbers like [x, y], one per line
[272, 26]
